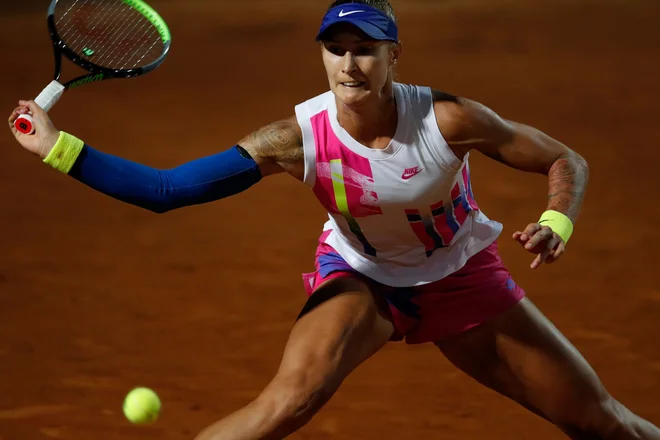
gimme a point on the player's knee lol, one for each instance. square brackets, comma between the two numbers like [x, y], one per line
[606, 419]
[294, 398]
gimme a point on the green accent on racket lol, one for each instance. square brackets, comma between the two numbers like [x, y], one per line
[153, 17]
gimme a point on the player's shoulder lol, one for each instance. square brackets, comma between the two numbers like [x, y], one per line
[430, 97]
[459, 117]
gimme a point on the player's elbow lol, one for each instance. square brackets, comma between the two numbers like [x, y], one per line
[580, 164]
[570, 163]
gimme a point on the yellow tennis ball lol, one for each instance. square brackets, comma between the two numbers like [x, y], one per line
[142, 406]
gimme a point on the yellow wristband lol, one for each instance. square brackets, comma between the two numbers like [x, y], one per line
[65, 152]
[559, 223]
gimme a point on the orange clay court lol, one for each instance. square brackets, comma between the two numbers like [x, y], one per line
[97, 297]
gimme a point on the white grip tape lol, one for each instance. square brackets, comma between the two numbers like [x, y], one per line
[50, 95]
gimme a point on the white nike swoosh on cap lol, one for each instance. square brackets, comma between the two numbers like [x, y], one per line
[344, 14]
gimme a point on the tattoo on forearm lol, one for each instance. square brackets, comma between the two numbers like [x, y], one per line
[567, 185]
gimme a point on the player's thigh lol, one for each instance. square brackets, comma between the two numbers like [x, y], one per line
[522, 355]
[331, 339]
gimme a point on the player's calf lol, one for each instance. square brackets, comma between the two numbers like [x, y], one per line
[291, 401]
[608, 420]
[286, 405]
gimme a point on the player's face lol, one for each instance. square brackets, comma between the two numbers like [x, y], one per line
[358, 68]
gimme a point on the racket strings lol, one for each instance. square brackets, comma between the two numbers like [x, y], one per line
[109, 33]
[140, 39]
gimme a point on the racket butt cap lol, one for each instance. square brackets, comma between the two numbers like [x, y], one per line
[24, 124]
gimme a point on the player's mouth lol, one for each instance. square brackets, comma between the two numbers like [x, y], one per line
[353, 84]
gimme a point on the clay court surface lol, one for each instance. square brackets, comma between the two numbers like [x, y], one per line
[97, 297]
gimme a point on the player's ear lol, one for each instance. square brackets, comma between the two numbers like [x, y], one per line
[395, 52]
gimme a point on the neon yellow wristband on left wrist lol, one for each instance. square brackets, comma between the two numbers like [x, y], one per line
[559, 223]
[65, 152]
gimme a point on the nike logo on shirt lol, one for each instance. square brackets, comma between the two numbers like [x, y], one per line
[411, 172]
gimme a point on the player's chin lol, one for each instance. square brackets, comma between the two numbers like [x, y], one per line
[352, 95]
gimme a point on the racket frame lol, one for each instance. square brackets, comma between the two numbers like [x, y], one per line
[98, 73]
[53, 92]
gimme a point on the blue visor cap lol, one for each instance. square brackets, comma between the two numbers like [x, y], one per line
[369, 20]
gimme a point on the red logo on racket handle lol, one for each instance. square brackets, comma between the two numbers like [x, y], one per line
[24, 124]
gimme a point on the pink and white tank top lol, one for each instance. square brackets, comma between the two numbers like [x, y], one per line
[404, 215]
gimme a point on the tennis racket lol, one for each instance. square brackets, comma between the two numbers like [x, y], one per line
[107, 38]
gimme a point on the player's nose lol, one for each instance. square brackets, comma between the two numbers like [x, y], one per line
[348, 63]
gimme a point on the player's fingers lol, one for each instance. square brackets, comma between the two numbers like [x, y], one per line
[540, 258]
[545, 233]
[518, 237]
[550, 248]
[529, 231]
[547, 251]
[558, 252]
[532, 229]
[20, 110]
[23, 103]
[34, 108]
[12, 118]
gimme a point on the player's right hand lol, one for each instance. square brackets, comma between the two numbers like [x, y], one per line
[45, 136]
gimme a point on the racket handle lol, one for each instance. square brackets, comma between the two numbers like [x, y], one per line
[49, 96]
[46, 100]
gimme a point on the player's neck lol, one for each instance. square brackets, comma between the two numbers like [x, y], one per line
[372, 124]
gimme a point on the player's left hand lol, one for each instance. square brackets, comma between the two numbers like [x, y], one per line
[542, 241]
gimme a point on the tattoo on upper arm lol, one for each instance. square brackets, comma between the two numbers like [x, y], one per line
[280, 142]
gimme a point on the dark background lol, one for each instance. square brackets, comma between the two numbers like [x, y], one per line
[97, 297]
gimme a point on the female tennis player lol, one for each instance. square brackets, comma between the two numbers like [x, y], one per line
[406, 252]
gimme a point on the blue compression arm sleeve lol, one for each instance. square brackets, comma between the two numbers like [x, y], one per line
[200, 181]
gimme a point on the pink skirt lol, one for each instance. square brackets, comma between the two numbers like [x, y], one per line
[480, 291]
